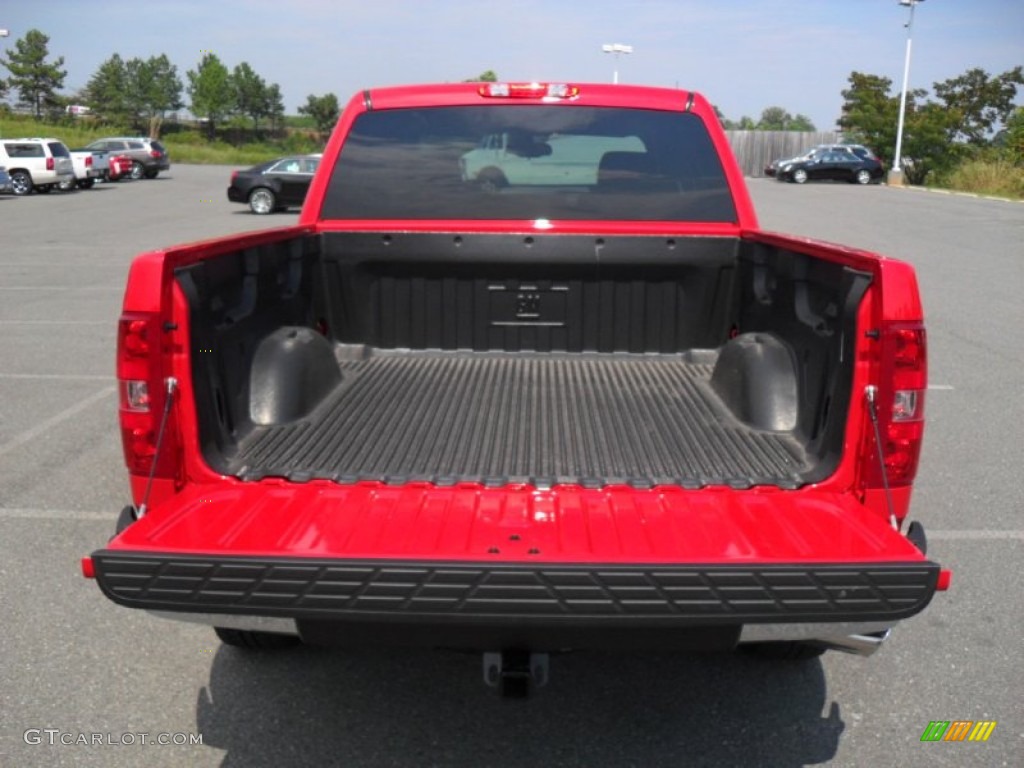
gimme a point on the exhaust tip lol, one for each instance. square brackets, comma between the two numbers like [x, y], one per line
[859, 645]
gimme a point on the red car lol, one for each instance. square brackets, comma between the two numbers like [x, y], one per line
[120, 167]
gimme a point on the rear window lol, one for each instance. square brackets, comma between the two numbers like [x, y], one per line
[529, 162]
[157, 146]
[24, 150]
[58, 150]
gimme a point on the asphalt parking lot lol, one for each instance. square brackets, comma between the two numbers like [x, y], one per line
[74, 663]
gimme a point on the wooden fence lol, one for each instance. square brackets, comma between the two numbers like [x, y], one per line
[756, 149]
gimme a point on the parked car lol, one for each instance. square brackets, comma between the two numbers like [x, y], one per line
[274, 185]
[89, 165]
[836, 163]
[515, 158]
[5, 180]
[120, 167]
[858, 149]
[149, 156]
[36, 164]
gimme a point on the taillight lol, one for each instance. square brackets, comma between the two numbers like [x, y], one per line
[155, 153]
[234, 175]
[49, 164]
[903, 381]
[142, 394]
[529, 90]
[88, 161]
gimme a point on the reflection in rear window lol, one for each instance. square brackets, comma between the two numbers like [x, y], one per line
[529, 162]
[24, 150]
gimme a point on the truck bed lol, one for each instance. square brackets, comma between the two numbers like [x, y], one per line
[704, 362]
[496, 418]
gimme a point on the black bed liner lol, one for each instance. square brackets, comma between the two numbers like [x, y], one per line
[496, 418]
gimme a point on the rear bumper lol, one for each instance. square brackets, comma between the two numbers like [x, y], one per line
[487, 605]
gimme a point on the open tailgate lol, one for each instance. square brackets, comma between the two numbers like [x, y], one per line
[416, 551]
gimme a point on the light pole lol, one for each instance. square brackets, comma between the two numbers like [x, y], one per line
[896, 174]
[617, 49]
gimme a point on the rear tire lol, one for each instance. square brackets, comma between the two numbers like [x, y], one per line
[255, 641]
[86, 183]
[44, 189]
[137, 172]
[67, 185]
[785, 650]
[863, 176]
[491, 180]
[262, 201]
[152, 174]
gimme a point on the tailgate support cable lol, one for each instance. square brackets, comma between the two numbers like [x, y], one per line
[871, 392]
[172, 385]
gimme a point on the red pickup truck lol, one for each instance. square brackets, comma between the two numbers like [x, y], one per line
[587, 404]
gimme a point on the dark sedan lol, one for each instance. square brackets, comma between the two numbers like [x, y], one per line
[274, 185]
[831, 165]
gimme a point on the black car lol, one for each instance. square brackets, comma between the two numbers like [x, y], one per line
[858, 149]
[274, 185]
[833, 163]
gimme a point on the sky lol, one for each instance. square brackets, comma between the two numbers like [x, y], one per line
[744, 55]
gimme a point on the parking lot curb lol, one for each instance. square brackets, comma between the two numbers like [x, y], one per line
[955, 193]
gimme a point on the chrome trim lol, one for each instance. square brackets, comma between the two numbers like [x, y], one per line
[860, 638]
[859, 645]
[278, 626]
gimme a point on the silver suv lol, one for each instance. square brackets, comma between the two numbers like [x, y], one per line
[36, 164]
[149, 156]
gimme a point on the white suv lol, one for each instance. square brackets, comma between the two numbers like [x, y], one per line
[36, 164]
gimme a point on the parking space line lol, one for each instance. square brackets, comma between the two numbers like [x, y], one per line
[73, 263]
[57, 322]
[56, 376]
[974, 535]
[57, 418]
[54, 514]
[941, 387]
[117, 288]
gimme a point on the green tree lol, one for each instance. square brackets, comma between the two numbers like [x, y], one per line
[273, 105]
[778, 119]
[927, 135]
[869, 112]
[107, 89]
[488, 76]
[801, 122]
[324, 111]
[1014, 136]
[36, 80]
[210, 91]
[980, 101]
[138, 91]
[160, 89]
[870, 115]
[250, 93]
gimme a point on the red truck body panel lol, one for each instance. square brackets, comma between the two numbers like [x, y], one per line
[419, 521]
